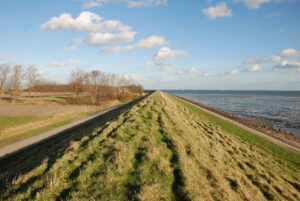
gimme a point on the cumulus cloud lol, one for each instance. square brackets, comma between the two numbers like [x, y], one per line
[64, 63]
[290, 52]
[189, 71]
[130, 3]
[254, 68]
[5, 56]
[150, 42]
[86, 21]
[165, 53]
[253, 4]
[273, 59]
[233, 72]
[288, 65]
[100, 39]
[220, 10]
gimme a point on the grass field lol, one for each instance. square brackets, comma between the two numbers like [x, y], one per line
[15, 127]
[161, 148]
[12, 121]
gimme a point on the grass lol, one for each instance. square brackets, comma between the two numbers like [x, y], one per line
[160, 148]
[22, 127]
[12, 121]
[58, 99]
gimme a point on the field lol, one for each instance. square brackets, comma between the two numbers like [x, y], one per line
[18, 122]
[161, 148]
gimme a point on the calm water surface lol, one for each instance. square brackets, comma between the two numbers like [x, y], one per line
[281, 108]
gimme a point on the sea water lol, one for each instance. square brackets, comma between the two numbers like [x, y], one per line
[281, 108]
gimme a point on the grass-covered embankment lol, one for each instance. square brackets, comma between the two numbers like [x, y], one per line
[162, 148]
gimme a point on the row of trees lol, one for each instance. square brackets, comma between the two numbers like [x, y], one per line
[102, 86]
[12, 79]
[95, 84]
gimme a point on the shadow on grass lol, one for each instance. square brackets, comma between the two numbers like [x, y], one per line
[51, 151]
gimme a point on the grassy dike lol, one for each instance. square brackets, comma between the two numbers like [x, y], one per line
[161, 148]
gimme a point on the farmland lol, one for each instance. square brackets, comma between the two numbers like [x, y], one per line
[161, 148]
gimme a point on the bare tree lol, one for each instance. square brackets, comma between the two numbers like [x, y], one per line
[32, 79]
[4, 71]
[15, 83]
[76, 81]
[92, 83]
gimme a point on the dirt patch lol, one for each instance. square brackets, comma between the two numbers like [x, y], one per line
[40, 110]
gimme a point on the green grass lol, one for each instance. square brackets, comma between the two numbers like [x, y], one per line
[46, 99]
[12, 121]
[160, 148]
[64, 120]
[276, 151]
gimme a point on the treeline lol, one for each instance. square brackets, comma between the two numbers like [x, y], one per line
[88, 87]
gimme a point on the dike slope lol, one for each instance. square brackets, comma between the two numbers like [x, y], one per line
[162, 148]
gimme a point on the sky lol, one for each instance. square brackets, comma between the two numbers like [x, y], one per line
[162, 44]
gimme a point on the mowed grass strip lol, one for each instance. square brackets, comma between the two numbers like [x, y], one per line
[12, 121]
[17, 128]
[159, 149]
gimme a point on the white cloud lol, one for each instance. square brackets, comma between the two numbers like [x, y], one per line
[253, 4]
[150, 42]
[5, 56]
[86, 21]
[233, 72]
[220, 10]
[254, 68]
[91, 4]
[273, 59]
[190, 71]
[130, 3]
[289, 64]
[100, 39]
[165, 53]
[162, 66]
[64, 63]
[290, 52]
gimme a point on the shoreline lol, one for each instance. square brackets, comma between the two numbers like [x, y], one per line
[258, 127]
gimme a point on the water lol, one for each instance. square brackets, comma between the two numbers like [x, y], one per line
[281, 108]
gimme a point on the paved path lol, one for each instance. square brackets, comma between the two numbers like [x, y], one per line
[14, 148]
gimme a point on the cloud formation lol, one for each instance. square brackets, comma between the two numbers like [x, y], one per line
[253, 4]
[101, 39]
[288, 65]
[290, 52]
[130, 3]
[254, 68]
[188, 71]
[220, 10]
[86, 21]
[233, 72]
[101, 33]
[64, 63]
[165, 53]
[150, 42]
[273, 59]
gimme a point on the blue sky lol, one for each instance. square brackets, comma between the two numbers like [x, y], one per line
[163, 44]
